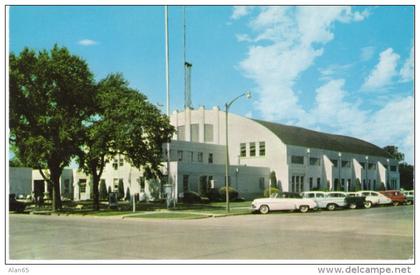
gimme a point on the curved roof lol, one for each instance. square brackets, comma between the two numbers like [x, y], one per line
[298, 136]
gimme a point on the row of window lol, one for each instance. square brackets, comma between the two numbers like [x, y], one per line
[193, 156]
[195, 132]
[344, 163]
[252, 149]
[118, 162]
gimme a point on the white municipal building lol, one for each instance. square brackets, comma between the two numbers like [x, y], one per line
[301, 159]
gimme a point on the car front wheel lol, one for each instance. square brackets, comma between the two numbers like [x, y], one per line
[368, 204]
[331, 207]
[303, 208]
[264, 209]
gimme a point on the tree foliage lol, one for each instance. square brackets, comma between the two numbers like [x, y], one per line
[51, 95]
[126, 124]
[394, 153]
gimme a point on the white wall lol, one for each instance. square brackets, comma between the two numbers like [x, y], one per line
[20, 181]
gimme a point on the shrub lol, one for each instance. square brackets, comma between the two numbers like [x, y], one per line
[214, 195]
[273, 179]
[381, 187]
[103, 194]
[272, 190]
[191, 197]
[233, 194]
[358, 186]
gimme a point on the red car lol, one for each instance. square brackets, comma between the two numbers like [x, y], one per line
[396, 196]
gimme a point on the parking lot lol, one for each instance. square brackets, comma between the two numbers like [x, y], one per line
[377, 233]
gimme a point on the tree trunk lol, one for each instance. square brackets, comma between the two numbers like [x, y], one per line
[56, 194]
[95, 192]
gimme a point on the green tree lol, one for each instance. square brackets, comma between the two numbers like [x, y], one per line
[51, 94]
[127, 194]
[406, 176]
[394, 153]
[125, 124]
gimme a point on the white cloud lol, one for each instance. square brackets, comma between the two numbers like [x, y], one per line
[383, 73]
[367, 53]
[295, 37]
[87, 42]
[407, 71]
[240, 11]
[391, 124]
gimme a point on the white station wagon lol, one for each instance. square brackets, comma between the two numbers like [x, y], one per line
[374, 198]
[283, 201]
[328, 200]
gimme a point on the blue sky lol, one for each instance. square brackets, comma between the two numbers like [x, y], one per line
[344, 70]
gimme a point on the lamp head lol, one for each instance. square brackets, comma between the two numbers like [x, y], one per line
[339, 154]
[248, 94]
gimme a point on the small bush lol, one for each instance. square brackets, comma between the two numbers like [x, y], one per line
[120, 190]
[233, 194]
[103, 194]
[270, 191]
[127, 194]
[214, 195]
[191, 197]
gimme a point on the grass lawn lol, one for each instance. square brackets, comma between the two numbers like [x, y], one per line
[168, 215]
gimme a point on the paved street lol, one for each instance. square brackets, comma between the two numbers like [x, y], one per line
[377, 233]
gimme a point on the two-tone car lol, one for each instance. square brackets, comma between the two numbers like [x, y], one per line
[396, 196]
[282, 201]
[374, 198]
[328, 200]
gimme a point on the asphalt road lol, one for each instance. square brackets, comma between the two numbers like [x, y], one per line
[377, 233]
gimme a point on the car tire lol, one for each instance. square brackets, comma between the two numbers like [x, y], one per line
[395, 203]
[409, 202]
[367, 204]
[264, 209]
[352, 206]
[331, 207]
[303, 208]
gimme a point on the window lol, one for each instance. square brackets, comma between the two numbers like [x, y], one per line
[194, 132]
[82, 185]
[310, 195]
[208, 132]
[262, 148]
[180, 155]
[297, 159]
[252, 149]
[185, 180]
[314, 161]
[393, 168]
[310, 183]
[374, 184]
[191, 156]
[335, 162]
[115, 181]
[115, 164]
[210, 158]
[243, 149]
[320, 195]
[345, 163]
[181, 132]
[200, 157]
[362, 164]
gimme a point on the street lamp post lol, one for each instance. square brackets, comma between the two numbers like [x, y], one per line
[366, 170]
[308, 153]
[227, 106]
[387, 175]
[339, 169]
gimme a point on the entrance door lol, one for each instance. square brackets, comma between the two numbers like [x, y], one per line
[39, 188]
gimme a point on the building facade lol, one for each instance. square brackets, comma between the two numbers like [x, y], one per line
[301, 160]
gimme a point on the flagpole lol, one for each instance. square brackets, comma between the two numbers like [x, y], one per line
[167, 95]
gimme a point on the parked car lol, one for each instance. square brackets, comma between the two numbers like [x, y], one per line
[328, 200]
[374, 198]
[355, 200]
[396, 196]
[283, 201]
[15, 205]
[409, 197]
